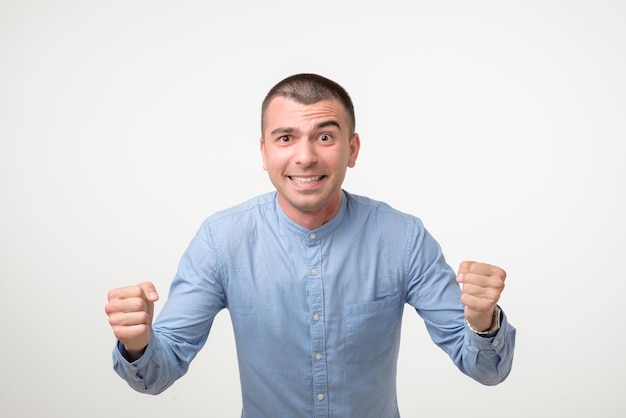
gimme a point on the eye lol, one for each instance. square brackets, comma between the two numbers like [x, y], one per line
[324, 138]
[284, 139]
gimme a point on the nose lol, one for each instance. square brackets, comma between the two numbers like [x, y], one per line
[305, 153]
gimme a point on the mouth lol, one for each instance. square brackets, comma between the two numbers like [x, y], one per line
[306, 180]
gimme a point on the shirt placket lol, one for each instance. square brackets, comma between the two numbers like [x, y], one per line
[318, 329]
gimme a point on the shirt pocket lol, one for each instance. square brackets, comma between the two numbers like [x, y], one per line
[371, 328]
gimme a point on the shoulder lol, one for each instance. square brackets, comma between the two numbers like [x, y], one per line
[244, 213]
[379, 209]
[260, 202]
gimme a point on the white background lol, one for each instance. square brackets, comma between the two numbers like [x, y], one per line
[123, 124]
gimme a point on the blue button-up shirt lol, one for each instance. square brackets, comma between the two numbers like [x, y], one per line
[316, 313]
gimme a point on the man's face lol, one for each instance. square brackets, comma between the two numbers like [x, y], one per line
[306, 151]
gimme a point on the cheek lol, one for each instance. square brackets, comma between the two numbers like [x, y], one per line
[275, 159]
[271, 163]
[270, 159]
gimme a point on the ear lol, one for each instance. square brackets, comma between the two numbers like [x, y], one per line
[262, 149]
[355, 145]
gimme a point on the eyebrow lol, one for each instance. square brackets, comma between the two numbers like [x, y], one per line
[320, 125]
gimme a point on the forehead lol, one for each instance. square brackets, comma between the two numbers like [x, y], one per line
[283, 112]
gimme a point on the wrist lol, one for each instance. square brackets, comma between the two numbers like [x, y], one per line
[130, 354]
[493, 329]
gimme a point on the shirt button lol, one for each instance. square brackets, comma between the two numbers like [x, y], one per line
[320, 396]
[316, 317]
[312, 235]
[314, 272]
[496, 343]
[318, 356]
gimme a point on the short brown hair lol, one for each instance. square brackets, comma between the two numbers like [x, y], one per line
[307, 88]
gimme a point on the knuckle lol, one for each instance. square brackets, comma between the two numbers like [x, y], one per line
[112, 294]
[143, 317]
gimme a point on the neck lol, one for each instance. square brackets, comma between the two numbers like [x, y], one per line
[310, 219]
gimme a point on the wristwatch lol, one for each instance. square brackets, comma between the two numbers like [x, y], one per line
[495, 325]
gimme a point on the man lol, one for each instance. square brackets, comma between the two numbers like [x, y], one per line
[315, 280]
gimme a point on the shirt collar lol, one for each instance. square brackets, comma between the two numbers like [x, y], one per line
[320, 232]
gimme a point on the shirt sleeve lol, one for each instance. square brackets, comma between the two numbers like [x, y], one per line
[196, 296]
[489, 360]
[436, 296]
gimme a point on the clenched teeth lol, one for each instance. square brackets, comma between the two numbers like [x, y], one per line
[306, 179]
